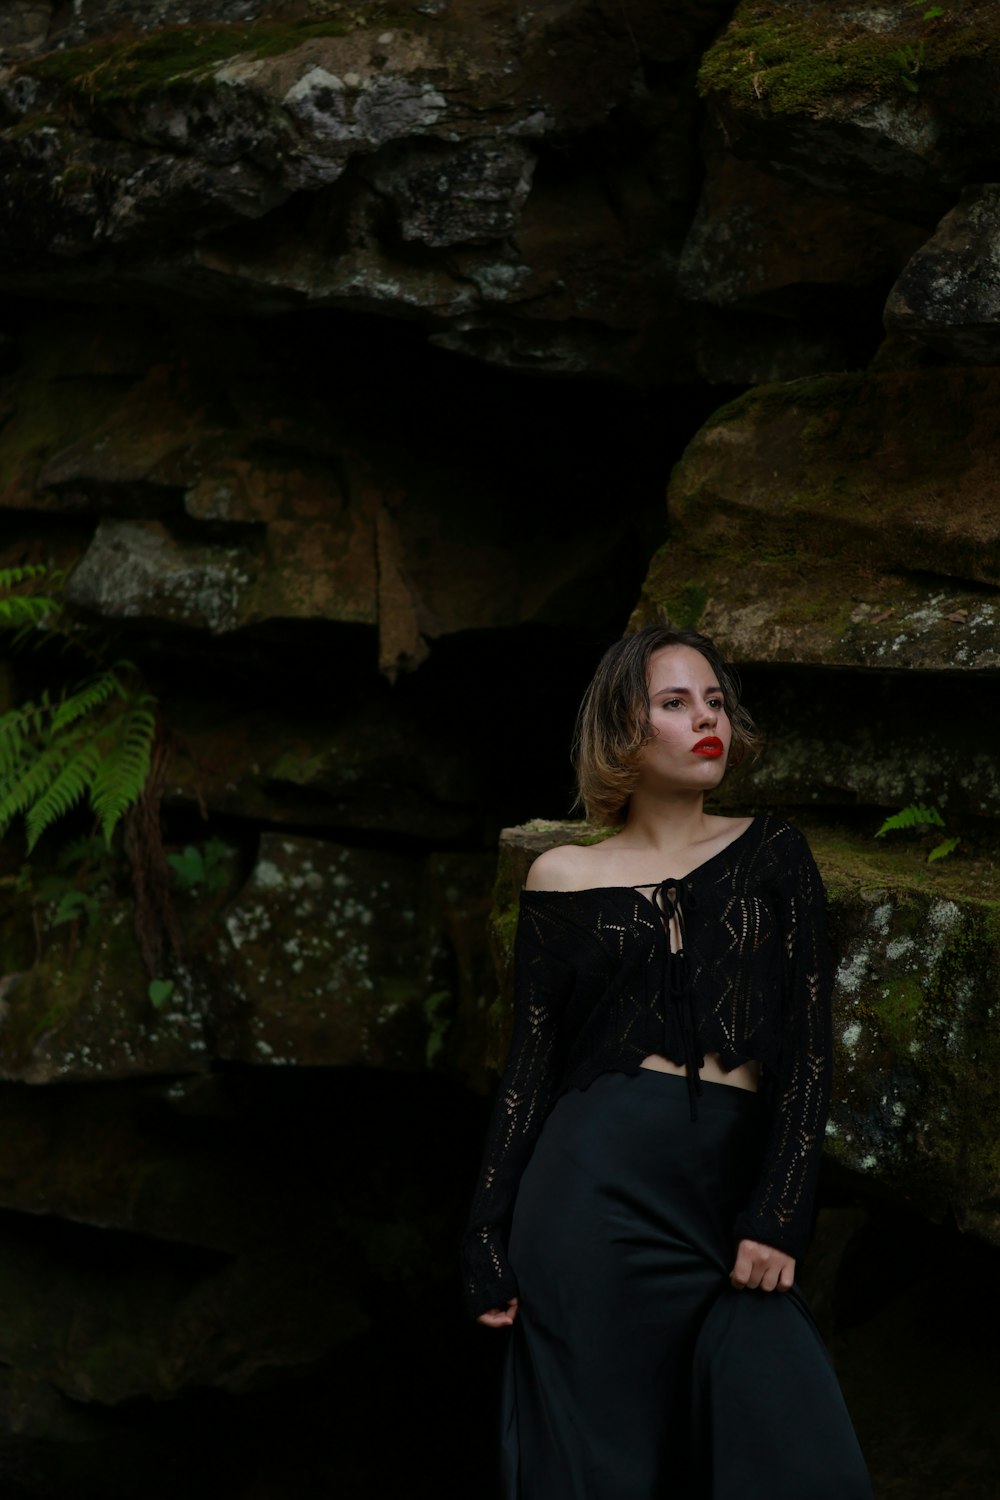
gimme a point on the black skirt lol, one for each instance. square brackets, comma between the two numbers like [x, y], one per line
[635, 1371]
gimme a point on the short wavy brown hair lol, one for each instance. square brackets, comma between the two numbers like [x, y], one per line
[613, 723]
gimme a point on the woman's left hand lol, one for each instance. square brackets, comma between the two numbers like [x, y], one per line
[762, 1266]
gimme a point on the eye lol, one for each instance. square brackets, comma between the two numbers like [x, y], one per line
[673, 702]
[719, 703]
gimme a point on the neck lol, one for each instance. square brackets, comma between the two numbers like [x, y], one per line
[665, 820]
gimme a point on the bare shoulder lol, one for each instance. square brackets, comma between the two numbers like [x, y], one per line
[567, 867]
[726, 830]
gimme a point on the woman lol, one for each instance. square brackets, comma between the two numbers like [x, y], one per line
[648, 1178]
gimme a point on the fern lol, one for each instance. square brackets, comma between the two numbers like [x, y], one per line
[18, 729]
[11, 577]
[913, 816]
[28, 783]
[94, 743]
[99, 741]
[122, 770]
[917, 816]
[25, 609]
[24, 612]
[88, 697]
[71, 784]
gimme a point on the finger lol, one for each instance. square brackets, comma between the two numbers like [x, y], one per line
[769, 1280]
[787, 1278]
[495, 1318]
[740, 1274]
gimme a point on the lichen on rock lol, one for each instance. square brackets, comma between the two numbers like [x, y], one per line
[809, 517]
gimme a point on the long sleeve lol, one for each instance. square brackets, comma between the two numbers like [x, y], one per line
[541, 986]
[780, 1209]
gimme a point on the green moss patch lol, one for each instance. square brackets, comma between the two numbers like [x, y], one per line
[28, 127]
[793, 59]
[113, 71]
[815, 394]
[685, 605]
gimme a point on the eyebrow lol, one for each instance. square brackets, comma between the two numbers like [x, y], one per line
[708, 690]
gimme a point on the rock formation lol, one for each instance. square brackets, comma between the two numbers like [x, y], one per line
[346, 354]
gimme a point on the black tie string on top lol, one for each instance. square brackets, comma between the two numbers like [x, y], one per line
[678, 999]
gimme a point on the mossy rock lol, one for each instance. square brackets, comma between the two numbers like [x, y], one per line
[83, 1009]
[328, 956]
[866, 741]
[114, 70]
[882, 103]
[917, 1049]
[136, 1322]
[808, 524]
[378, 767]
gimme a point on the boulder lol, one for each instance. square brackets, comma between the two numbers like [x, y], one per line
[866, 741]
[156, 1158]
[948, 296]
[887, 105]
[82, 1009]
[379, 766]
[427, 166]
[324, 958]
[759, 242]
[846, 521]
[230, 495]
[146, 1326]
[325, 955]
[917, 952]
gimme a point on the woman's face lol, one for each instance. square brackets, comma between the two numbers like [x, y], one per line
[691, 730]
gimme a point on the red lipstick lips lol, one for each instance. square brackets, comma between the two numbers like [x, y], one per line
[711, 748]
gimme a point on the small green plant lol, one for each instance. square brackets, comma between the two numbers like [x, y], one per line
[910, 60]
[201, 869]
[96, 740]
[159, 992]
[918, 816]
[24, 612]
[435, 1014]
[92, 742]
[932, 13]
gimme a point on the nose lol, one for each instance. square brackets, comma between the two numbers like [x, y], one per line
[706, 717]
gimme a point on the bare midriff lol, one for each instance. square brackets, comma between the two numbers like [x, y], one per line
[745, 1076]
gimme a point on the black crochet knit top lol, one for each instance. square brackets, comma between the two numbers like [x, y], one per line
[598, 986]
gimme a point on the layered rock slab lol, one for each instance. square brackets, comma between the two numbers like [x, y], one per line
[916, 995]
[230, 494]
[432, 146]
[886, 104]
[948, 296]
[848, 521]
[324, 955]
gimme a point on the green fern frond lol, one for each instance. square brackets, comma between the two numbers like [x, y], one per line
[15, 739]
[25, 610]
[124, 766]
[29, 783]
[914, 816]
[942, 850]
[70, 786]
[24, 613]
[10, 578]
[89, 696]
[23, 732]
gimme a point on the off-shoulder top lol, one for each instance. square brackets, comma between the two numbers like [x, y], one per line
[598, 987]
